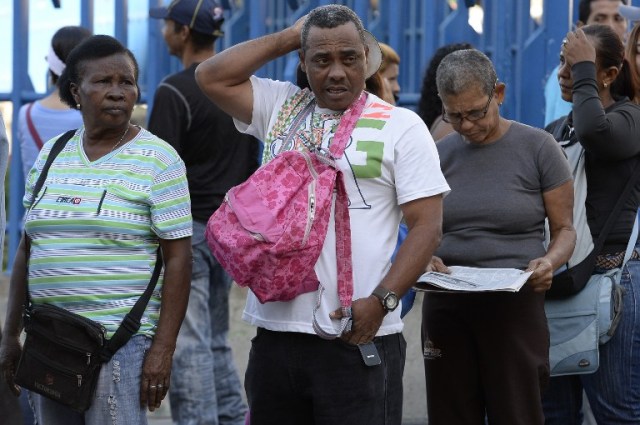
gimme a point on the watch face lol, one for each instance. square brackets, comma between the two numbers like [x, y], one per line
[391, 302]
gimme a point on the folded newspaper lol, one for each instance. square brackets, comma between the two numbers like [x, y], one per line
[473, 279]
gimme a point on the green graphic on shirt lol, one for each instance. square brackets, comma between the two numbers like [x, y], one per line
[373, 168]
[370, 123]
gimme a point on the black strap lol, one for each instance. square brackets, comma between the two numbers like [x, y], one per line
[53, 153]
[613, 217]
[131, 322]
[55, 150]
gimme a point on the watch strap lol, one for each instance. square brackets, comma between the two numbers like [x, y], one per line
[382, 294]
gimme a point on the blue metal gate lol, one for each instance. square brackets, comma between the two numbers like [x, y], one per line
[524, 49]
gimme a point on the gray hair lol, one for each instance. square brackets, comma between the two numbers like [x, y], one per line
[329, 16]
[463, 69]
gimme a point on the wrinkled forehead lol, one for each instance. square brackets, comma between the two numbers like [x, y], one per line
[117, 63]
[344, 35]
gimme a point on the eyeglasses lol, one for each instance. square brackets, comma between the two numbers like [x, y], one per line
[472, 116]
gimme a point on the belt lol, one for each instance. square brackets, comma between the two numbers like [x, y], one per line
[611, 261]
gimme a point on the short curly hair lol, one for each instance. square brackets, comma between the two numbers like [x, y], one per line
[329, 16]
[94, 47]
[462, 70]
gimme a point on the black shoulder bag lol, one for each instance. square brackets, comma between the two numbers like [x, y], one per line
[63, 352]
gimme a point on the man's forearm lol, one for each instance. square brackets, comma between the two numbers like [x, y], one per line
[236, 64]
[224, 78]
[412, 258]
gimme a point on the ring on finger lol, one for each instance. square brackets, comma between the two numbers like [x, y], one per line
[564, 41]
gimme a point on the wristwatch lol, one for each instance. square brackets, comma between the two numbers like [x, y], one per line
[388, 298]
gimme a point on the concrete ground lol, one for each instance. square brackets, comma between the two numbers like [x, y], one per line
[415, 412]
[240, 337]
[240, 334]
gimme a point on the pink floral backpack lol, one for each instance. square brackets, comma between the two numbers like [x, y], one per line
[269, 231]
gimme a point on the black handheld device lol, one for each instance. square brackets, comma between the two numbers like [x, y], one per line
[369, 354]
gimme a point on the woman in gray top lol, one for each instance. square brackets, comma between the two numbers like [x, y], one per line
[595, 76]
[486, 354]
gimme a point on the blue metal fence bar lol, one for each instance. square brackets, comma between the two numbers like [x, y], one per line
[20, 77]
[257, 25]
[158, 61]
[87, 14]
[291, 63]
[499, 23]
[557, 21]
[22, 92]
[122, 21]
[362, 9]
[237, 26]
[523, 52]
[411, 41]
[455, 28]
[432, 15]
[530, 70]
[274, 19]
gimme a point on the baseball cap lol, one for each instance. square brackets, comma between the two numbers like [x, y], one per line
[632, 13]
[203, 16]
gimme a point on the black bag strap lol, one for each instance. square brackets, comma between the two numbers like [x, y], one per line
[55, 150]
[53, 153]
[131, 322]
[613, 217]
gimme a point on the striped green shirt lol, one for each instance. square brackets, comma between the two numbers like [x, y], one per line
[95, 227]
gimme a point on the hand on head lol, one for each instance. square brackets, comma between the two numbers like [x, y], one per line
[297, 25]
[576, 47]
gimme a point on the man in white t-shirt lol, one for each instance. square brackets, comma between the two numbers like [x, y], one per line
[391, 169]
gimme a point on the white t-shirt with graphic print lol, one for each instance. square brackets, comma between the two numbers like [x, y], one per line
[390, 160]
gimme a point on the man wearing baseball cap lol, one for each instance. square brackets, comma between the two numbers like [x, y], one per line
[205, 387]
[202, 16]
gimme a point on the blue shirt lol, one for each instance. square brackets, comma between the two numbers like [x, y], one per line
[555, 107]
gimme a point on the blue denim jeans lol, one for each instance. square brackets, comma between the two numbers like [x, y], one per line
[117, 397]
[613, 390]
[205, 387]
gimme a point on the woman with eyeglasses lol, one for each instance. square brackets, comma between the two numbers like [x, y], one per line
[486, 353]
[596, 77]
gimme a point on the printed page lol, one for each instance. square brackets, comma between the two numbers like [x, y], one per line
[473, 279]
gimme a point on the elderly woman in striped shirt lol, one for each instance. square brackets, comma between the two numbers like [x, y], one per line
[94, 255]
